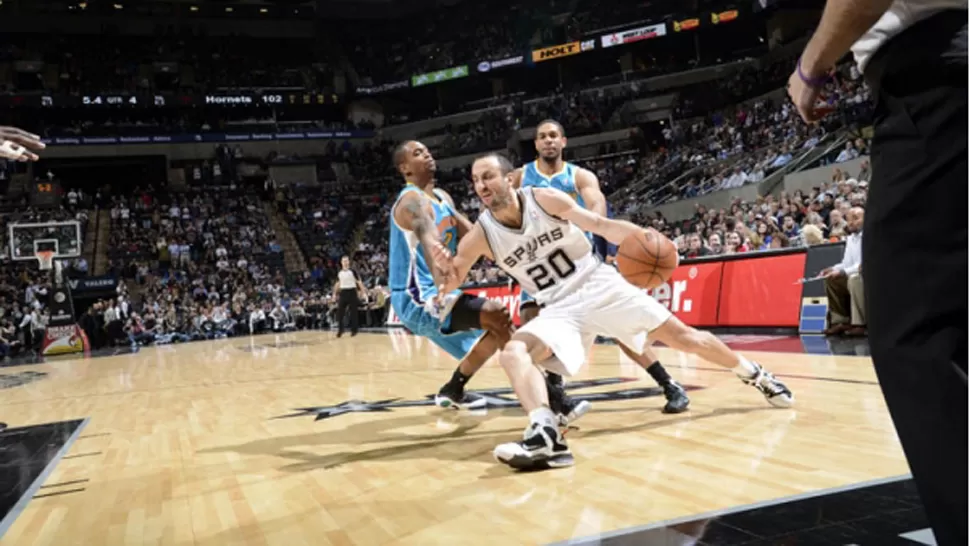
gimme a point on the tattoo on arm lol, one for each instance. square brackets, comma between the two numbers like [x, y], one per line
[423, 228]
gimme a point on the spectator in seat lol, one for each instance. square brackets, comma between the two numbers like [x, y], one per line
[695, 249]
[8, 340]
[714, 243]
[812, 235]
[843, 283]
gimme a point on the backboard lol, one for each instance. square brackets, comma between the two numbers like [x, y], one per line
[63, 238]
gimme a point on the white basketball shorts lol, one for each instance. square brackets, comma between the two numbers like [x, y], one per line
[606, 305]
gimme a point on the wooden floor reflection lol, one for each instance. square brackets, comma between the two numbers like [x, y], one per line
[252, 441]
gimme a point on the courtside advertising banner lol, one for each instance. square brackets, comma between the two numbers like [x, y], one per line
[761, 291]
[633, 35]
[563, 50]
[686, 24]
[756, 290]
[724, 16]
[692, 293]
[439, 76]
[486, 66]
[382, 88]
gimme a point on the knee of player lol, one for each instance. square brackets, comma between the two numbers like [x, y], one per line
[513, 354]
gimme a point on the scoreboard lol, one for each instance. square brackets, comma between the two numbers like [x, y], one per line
[161, 100]
[45, 194]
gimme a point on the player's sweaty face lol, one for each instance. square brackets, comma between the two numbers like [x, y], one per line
[549, 141]
[491, 186]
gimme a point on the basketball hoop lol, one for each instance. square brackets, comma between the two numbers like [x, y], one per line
[45, 259]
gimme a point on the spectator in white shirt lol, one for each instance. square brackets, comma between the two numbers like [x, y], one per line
[848, 153]
[843, 283]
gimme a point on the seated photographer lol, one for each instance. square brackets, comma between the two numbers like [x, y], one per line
[843, 283]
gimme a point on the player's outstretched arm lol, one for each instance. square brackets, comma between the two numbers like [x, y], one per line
[455, 268]
[588, 187]
[561, 205]
[410, 215]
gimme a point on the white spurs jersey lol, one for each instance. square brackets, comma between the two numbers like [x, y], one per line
[549, 257]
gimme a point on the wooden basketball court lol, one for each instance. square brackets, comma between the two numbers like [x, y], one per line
[307, 439]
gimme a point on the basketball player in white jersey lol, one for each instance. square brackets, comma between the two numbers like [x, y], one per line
[550, 171]
[538, 236]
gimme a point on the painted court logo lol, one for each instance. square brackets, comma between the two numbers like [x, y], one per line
[10, 381]
[496, 398]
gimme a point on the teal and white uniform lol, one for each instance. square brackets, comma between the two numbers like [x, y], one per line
[412, 285]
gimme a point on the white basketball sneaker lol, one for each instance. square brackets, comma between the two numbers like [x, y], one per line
[774, 391]
[542, 447]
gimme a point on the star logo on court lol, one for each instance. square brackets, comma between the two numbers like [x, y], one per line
[351, 406]
[495, 398]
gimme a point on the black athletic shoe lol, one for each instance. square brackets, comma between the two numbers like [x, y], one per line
[542, 447]
[451, 396]
[676, 396]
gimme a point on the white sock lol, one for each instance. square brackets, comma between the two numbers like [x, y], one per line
[745, 368]
[543, 416]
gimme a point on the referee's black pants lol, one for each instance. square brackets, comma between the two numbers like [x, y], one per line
[914, 257]
[347, 302]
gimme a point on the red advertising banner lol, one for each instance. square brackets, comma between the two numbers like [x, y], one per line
[762, 291]
[692, 293]
[756, 291]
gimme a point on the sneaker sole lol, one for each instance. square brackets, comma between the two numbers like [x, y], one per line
[445, 402]
[781, 400]
[520, 462]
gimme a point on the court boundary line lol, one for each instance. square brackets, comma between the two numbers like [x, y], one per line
[594, 540]
[28, 494]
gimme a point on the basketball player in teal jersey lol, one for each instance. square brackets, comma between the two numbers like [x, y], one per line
[469, 328]
[550, 171]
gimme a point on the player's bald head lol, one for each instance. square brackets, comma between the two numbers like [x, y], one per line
[504, 165]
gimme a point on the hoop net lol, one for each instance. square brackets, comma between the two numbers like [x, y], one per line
[45, 258]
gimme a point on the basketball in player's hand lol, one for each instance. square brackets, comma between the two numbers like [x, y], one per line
[647, 258]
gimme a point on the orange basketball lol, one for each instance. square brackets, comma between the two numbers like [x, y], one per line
[647, 258]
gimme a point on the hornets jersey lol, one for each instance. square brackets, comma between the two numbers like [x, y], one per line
[564, 180]
[408, 269]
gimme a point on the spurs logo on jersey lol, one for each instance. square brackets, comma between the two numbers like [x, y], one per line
[530, 250]
[548, 256]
